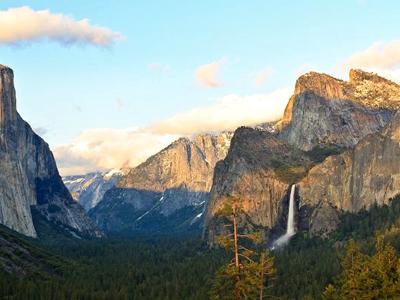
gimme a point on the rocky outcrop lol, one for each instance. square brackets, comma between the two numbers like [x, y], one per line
[29, 175]
[327, 116]
[258, 169]
[89, 189]
[177, 179]
[356, 179]
[327, 111]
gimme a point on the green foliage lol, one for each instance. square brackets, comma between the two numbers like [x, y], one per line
[364, 224]
[367, 277]
[247, 281]
[249, 270]
[61, 267]
[123, 269]
[320, 152]
[290, 172]
[304, 268]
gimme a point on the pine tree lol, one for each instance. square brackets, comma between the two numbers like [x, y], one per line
[249, 271]
[367, 277]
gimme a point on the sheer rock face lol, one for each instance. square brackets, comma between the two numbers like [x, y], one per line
[258, 170]
[177, 177]
[323, 111]
[29, 175]
[185, 161]
[326, 110]
[355, 179]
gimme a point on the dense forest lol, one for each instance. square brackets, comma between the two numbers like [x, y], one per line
[186, 268]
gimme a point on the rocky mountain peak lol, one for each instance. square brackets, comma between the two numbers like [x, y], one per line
[328, 111]
[29, 179]
[357, 75]
[363, 87]
[372, 90]
[321, 84]
[189, 161]
[8, 110]
[170, 187]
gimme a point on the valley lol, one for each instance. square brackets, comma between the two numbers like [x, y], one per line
[199, 151]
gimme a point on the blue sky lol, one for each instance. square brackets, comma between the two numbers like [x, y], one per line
[150, 75]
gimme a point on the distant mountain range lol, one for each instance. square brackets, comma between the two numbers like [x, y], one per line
[90, 188]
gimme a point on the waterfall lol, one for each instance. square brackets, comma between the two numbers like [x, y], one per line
[290, 230]
[290, 221]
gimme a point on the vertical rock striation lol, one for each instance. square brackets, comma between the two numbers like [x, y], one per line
[324, 115]
[258, 169]
[353, 180]
[29, 175]
[172, 186]
[327, 111]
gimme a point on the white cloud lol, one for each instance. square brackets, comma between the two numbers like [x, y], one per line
[378, 55]
[207, 75]
[105, 148]
[24, 25]
[381, 57]
[99, 149]
[261, 77]
[227, 113]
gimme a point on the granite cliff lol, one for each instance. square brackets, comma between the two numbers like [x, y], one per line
[29, 177]
[327, 111]
[168, 191]
[363, 176]
[258, 169]
[324, 117]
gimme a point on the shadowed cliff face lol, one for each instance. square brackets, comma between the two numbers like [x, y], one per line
[327, 116]
[171, 187]
[328, 111]
[29, 175]
[356, 179]
[258, 169]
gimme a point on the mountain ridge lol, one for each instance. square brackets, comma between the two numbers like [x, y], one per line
[321, 120]
[176, 179]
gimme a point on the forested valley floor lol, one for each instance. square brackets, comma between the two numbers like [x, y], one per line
[179, 268]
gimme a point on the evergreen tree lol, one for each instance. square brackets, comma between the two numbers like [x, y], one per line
[249, 272]
[367, 277]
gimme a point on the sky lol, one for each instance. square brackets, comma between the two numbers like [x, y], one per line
[108, 83]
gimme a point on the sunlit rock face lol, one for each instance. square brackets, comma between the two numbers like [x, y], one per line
[356, 179]
[258, 170]
[323, 113]
[327, 111]
[172, 187]
[29, 175]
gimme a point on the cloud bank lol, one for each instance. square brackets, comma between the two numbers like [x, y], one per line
[106, 148]
[226, 113]
[380, 57]
[24, 25]
[101, 149]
